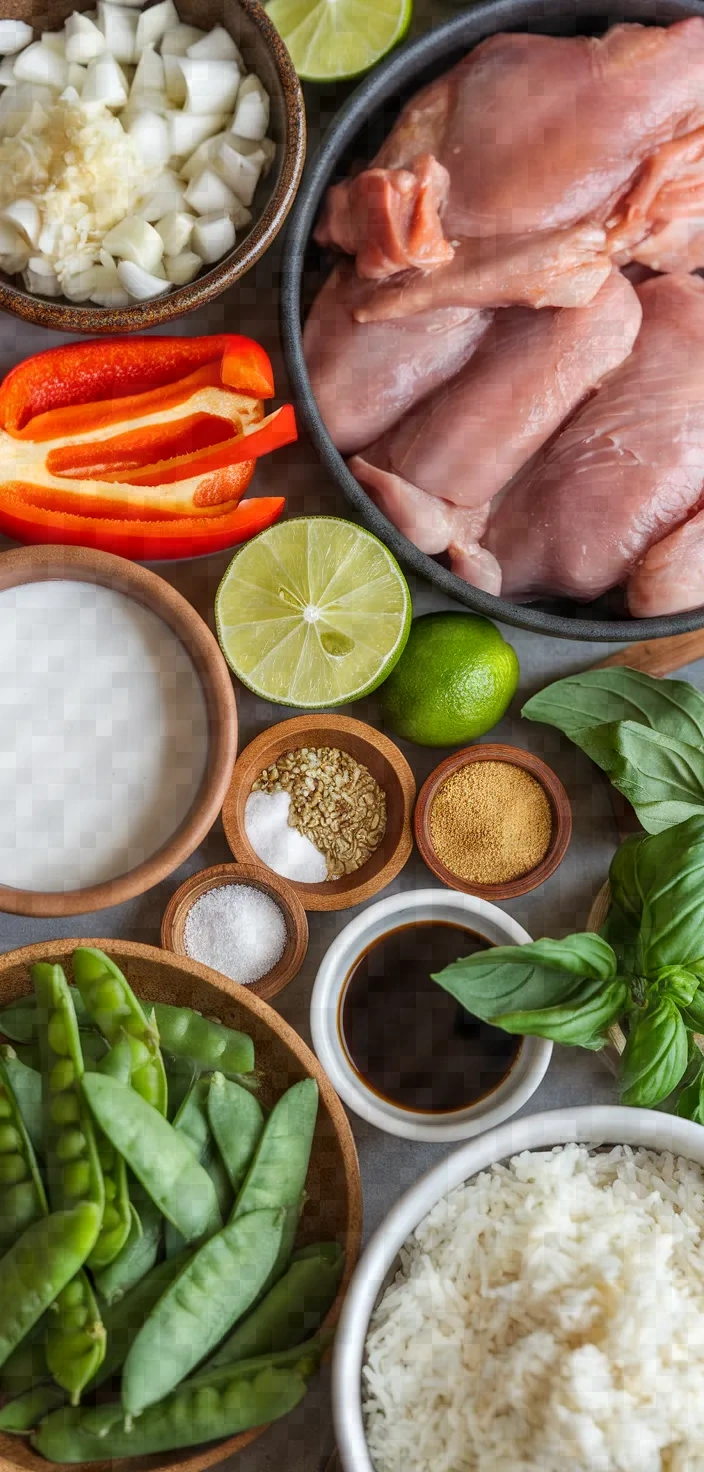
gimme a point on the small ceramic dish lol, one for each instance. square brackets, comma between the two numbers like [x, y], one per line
[256, 876]
[559, 806]
[590, 1125]
[387, 766]
[333, 1200]
[82, 565]
[326, 1005]
[265, 54]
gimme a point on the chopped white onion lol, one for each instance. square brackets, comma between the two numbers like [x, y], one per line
[55, 41]
[40, 279]
[247, 146]
[216, 45]
[167, 195]
[38, 63]
[175, 81]
[119, 27]
[79, 285]
[105, 82]
[14, 250]
[242, 171]
[14, 34]
[212, 86]
[177, 40]
[183, 268]
[155, 22]
[213, 237]
[76, 78]
[149, 76]
[24, 215]
[206, 153]
[208, 194]
[7, 72]
[134, 239]
[251, 118]
[175, 230]
[108, 290]
[84, 40]
[189, 129]
[140, 284]
[151, 135]
[16, 262]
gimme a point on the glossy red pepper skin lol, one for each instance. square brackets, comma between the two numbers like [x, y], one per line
[113, 368]
[273, 433]
[143, 541]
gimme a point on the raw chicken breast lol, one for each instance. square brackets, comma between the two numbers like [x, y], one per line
[671, 577]
[553, 268]
[468, 438]
[365, 377]
[389, 219]
[627, 470]
[433, 525]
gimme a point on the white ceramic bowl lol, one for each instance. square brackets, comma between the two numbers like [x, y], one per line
[338, 961]
[598, 1125]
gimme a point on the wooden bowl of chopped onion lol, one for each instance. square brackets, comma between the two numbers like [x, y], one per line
[149, 154]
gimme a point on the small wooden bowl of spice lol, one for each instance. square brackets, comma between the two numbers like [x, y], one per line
[326, 802]
[241, 920]
[493, 821]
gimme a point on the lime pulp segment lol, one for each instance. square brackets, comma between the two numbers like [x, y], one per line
[329, 40]
[313, 612]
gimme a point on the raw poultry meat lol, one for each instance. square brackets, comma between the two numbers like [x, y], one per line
[469, 437]
[539, 134]
[365, 378]
[670, 578]
[625, 471]
[390, 219]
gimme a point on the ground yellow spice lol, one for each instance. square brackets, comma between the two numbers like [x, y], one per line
[490, 822]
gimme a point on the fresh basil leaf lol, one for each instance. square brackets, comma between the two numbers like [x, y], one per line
[675, 982]
[600, 697]
[656, 1054]
[693, 1013]
[580, 1020]
[621, 933]
[623, 878]
[671, 880]
[690, 1104]
[663, 778]
[539, 974]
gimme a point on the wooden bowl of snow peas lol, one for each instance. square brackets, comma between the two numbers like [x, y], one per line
[156, 1131]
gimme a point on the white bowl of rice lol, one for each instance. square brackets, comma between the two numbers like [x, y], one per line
[535, 1302]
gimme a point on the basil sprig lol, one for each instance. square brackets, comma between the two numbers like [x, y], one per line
[646, 971]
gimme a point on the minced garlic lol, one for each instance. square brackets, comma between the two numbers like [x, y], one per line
[84, 173]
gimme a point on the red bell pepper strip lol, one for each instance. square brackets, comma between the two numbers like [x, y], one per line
[95, 459]
[77, 419]
[277, 430]
[143, 541]
[105, 368]
[229, 485]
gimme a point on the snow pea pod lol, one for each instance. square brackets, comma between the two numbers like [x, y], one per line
[294, 1308]
[278, 1171]
[26, 1085]
[215, 1288]
[115, 1010]
[20, 1416]
[27, 1365]
[156, 1153]
[124, 1319]
[117, 1217]
[39, 1265]
[237, 1121]
[210, 1045]
[140, 1251]
[192, 1122]
[193, 1414]
[181, 1074]
[22, 1198]
[18, 1020]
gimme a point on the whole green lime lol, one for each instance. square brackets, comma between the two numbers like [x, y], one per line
[453, 682]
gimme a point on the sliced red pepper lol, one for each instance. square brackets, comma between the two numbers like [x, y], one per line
[146, 541]
[83, 418]
[277, 430]
[108, 368]
[95, 459]
[228, 485]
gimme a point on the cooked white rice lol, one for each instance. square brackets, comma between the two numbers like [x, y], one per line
[549, 1314]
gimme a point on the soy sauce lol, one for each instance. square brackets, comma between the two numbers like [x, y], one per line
[406, 1037]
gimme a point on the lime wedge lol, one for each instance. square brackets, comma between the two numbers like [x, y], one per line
[332, 40]
[313, 612]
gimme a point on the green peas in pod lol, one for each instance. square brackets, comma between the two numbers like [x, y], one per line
[22, 1198]
[114, 1008]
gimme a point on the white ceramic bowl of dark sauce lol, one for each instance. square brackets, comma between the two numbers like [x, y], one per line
[331, 1034]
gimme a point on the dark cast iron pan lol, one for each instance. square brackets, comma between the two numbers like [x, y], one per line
[356, 133]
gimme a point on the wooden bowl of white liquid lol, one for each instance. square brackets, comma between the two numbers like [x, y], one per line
[118, 730]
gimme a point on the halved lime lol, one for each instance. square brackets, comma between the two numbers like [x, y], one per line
[313, 612]
[332, 40]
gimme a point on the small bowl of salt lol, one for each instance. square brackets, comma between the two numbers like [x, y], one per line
[242, 921]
